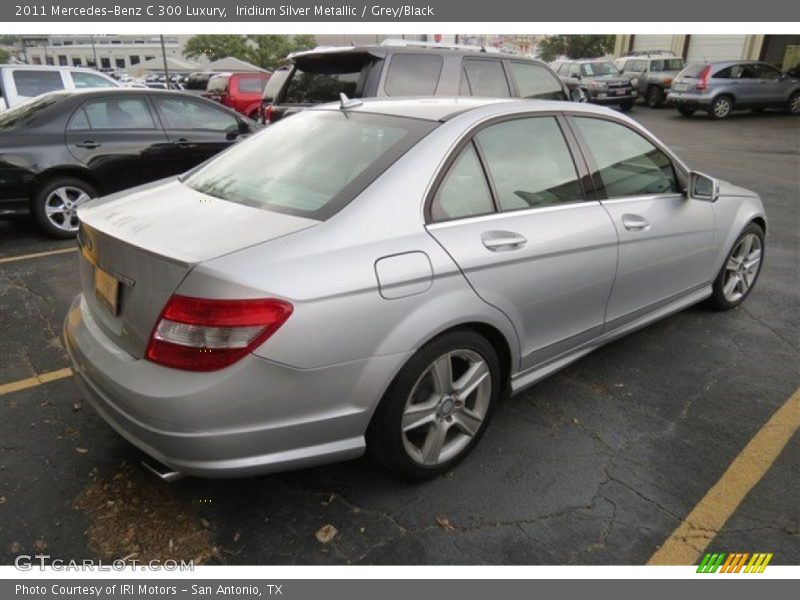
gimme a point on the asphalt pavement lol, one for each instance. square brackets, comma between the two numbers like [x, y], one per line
[598, 464]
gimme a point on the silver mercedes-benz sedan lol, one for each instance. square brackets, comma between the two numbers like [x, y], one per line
[375, 275]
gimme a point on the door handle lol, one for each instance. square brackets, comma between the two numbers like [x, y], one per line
[182, 142]
[88, 144]
[500, 241]
[635, 223]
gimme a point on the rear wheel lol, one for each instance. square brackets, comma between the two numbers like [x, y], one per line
[686, 111]
[738, 275]
[721, 107]
[626, 106]
[655, 97]
[438, 406]
[793, 104]
[55, 204]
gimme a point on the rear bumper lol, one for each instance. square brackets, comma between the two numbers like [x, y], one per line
[251, 418]
[688, 99]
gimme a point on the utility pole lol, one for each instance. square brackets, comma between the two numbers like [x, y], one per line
[166, 67]
[94, 50]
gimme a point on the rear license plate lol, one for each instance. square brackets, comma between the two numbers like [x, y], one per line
[106, 288]
[620, 92]
[680, 87]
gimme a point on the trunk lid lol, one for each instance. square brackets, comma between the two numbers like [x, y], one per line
[149, 238]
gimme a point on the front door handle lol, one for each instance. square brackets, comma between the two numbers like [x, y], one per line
[182, 142]
[88, 144]
[500, 241]
[635, 223]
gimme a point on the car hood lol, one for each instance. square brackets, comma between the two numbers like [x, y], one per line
[171, 219]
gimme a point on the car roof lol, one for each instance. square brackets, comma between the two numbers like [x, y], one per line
[49, 68]
[443, 109]
[383, 50]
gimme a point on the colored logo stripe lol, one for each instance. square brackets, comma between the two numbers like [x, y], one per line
[734, 562]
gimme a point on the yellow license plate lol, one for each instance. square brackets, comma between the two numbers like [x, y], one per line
[106, 288]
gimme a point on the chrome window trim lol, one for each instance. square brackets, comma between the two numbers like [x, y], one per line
[512, 214]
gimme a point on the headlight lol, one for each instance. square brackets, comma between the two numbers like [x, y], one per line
[597, 85]
[635, 81]
[668, 81]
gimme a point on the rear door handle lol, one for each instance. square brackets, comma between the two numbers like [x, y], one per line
[88, 144]
[635, 223]
[500, 241]
[182, 142]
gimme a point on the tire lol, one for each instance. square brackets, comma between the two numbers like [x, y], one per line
[655, 97]
[686, 111]
[455, 422]
[626, 106]
[793, 104]
[736, 280]
[54, 204]
[721, 107]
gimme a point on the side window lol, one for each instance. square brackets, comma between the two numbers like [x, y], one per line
[486, 78]
[464, 192]
[33, 83]
[574, 71]
[251, 85]
[184, 113]
[413, 75]
[530, 163]
[89, 80]
[627, 164]
[765, 72]
[749, 72]
[536, 82]
[113, 113]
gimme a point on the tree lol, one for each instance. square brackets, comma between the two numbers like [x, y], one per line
[265, 51]
[5, 55]
[575, 46]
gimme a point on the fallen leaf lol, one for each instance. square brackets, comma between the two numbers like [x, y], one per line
[81, 450]
[326, 534]
[444, 524]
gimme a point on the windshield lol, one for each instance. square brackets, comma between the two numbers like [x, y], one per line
[667, 64]
[593, 69]
[312, 164]
[27, 111]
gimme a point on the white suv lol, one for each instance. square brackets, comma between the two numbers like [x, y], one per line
[22, 82]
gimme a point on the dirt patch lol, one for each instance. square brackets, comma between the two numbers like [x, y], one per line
[135, 516]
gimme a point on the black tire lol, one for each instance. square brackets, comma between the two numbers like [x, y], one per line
[626, 106]
[686, 111]
[721, 107]
[718, 298]
[793, 104]
[655, 97]
[44, 193]
[386, 442]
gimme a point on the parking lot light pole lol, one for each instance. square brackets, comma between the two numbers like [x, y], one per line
[164, 54]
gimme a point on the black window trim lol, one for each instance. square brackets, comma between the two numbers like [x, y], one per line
[581, 168]
[680, 170]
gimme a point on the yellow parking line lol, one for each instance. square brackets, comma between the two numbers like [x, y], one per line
[9, 259]
[23, 384]
[697, 530]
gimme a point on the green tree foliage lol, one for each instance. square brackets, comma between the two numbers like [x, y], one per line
[265, 51]
[5, 55]
[575, 46]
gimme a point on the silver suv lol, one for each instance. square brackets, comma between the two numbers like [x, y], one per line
[722, 87]
[652, 74]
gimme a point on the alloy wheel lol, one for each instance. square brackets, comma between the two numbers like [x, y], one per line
[446, 407]
[61, 207]
[721, 108]
[794, 104]
[742, 267]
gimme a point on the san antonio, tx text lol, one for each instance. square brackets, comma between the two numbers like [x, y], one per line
[130, 589]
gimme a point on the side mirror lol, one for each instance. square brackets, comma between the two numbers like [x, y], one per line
[703, 187]
[578, 95]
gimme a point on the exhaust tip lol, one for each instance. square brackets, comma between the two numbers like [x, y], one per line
[163, 472]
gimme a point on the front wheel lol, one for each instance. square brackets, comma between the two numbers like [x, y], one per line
[793, 105]
[655, 97]
[438, 406]
[738, 275]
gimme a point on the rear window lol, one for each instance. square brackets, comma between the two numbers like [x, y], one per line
[312, 164]
[251, 85]
[34, 83]
[26, 112]
[413, 75]
[217, 83]
[693, 70]
[309, 87]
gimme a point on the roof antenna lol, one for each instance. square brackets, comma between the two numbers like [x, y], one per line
[345, 102]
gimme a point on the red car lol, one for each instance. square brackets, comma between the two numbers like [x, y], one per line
[240, 91]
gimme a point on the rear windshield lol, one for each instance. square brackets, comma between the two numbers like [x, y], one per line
[27, 112]
[312, 164]
[312, 88]
[692, 70]
[218, 83]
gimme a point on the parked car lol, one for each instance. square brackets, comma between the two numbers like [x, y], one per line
[60, 149]
[19, 83]
[652, 75]
[720, 88]
[397, 68]
[198, 80]
[240, 91]
[600, 80]
[373, 274]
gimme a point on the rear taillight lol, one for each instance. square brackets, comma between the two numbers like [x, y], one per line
[196, 334]
[702, 79]
[268, 114]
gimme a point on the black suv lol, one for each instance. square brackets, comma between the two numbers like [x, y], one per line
[397, 68]
[600, 79]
